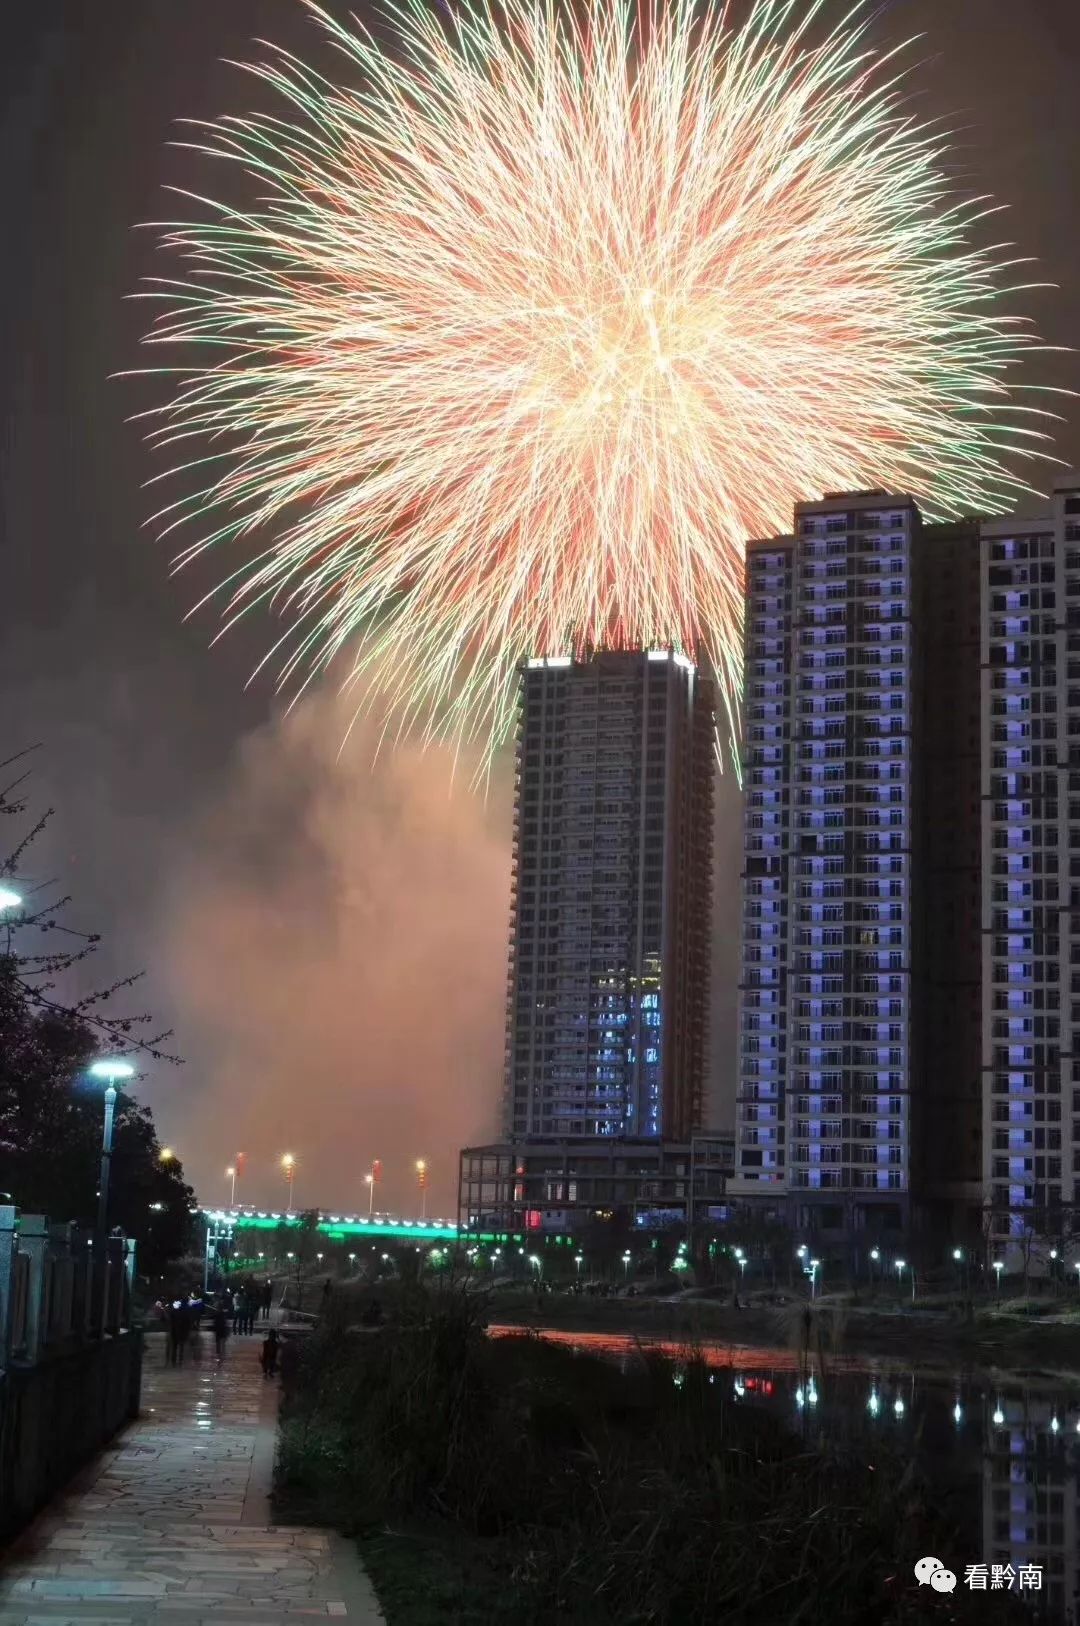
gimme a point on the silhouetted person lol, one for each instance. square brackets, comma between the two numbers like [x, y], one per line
[325, 1297]
[221, 1331]
[179, 1331]
[267, 1299]
[269, 1355]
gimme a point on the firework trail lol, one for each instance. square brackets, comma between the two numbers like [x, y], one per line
[513, 343]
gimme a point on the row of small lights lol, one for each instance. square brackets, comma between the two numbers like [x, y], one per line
[239, 1214]
[807, 1395]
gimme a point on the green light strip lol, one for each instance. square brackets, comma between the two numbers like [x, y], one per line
[339, 1230]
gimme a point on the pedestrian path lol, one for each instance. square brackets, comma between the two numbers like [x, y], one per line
[172, 1525]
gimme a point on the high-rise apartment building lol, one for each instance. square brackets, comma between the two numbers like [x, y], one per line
[609, 972]
[828, 1013]
[910, 990]
[1031, 868]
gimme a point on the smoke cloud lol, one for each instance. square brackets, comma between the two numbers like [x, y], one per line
[336, 946]
[335, 951]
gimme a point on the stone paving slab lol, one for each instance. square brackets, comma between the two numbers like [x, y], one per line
[170, 1524]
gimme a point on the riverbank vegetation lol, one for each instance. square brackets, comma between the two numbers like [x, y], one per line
[498, 1480]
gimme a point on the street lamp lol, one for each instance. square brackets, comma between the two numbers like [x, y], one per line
[901, 1266]
[166, 1155]
[812, 1270]
[627, 1260]
[579, 1260]
[999, 1266]
[9, 899]
[288, 1165]
[421, 1180]
[111, 1069]
[230, 1174]
[369, 1181]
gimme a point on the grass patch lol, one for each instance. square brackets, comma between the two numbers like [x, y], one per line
[511, 1479]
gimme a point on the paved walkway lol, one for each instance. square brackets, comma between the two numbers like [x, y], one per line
[171, 1525]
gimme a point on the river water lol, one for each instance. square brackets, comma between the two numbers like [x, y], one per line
[1003, 1447]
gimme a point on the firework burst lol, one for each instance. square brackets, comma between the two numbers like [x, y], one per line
[516, 341]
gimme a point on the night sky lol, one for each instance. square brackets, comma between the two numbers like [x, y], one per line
[328, 943]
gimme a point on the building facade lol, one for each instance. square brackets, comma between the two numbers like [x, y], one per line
[561, 1186]
[828, 1016]
[910, 986]
[608, 990]
[1031, 869]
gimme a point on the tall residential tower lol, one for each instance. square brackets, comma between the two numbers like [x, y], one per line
[609, 973]
[828, 1021]
[910, 991]
[1031, 868]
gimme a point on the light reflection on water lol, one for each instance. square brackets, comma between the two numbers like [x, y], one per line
[1007, 1444]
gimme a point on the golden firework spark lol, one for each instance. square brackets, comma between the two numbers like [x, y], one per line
[518, 336]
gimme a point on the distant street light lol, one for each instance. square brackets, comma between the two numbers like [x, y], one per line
[369, 1181]
[421, 1180]
[166, 1155]
[288, 1165]
[230, 1174]
[901, 1266]
[812, 1269]
[9, 899]
[579, 1260]
[627, 1260]
[999, 1266]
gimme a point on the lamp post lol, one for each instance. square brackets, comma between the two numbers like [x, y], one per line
[371, 1180]
[901, 1266]
[111, 1069]
[230, 1174]
[875, 1259]
[813, 1267]
[999, 1266]
[288, 1165]
[1078, 1273]
[9, 900]
[627, 1260]
[421, 1180]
